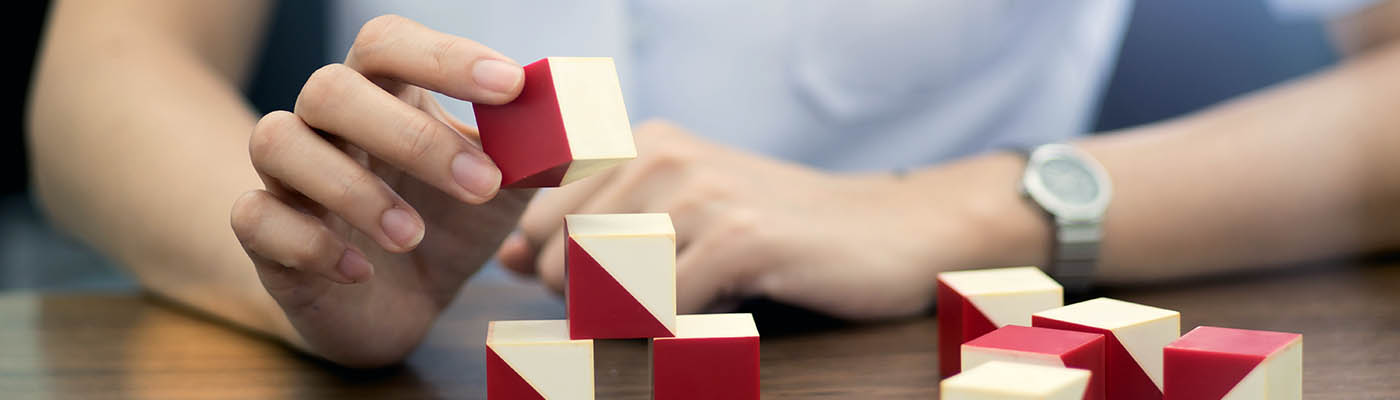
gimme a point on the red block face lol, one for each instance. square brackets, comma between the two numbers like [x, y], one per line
[705, 368]
[712, 356]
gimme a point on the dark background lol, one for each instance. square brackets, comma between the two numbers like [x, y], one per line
[1178, 56]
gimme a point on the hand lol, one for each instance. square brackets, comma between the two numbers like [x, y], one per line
[853, 246]
[378, 203]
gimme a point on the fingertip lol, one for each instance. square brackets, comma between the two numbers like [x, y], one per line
[514, 254]
[476, 174]
[503, 79]
[401, 227]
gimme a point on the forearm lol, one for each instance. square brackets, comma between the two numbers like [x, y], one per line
[139, 147]
[1299, 172]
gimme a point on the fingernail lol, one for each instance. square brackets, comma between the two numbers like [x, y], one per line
[476, 174]
[354, 266]
[497, 76]
[401, 227]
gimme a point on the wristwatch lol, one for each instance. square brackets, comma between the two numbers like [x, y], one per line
[1074, 191]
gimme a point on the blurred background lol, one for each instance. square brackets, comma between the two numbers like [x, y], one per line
[1178, 56]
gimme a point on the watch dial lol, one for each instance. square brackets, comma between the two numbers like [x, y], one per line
[1069, 181]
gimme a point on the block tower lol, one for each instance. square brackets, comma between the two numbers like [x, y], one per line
[620, 269]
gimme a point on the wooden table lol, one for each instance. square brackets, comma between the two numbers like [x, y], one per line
[128, 345]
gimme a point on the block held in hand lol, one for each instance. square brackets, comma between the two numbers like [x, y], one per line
[569, 122]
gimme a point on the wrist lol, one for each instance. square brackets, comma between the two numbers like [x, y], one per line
[997, 225]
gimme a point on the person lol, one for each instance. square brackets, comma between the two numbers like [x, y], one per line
[357, 216]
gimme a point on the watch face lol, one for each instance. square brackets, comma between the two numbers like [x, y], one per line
[1069, 181]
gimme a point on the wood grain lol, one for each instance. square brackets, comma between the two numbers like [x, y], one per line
[132, 346]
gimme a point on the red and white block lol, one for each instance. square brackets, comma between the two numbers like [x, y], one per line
[1041, 346]
[1212, 363]
[972, 303]
[537, 360]
[712, 356]
[569, 122]
[1002, 380]
[1134, 335]
[620, 276]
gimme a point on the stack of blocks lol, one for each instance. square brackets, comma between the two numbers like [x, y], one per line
[1126, 351]
[568, 123]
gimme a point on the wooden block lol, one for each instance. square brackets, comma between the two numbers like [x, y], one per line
[1001, 380]
[1134, 335]
[620, 276]
[712, 356]
[537, 360]
[972, 303]
[1041, 346]
[1212, 363]
[568, 123]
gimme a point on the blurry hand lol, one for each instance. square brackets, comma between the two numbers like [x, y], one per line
[852, 246]
[378, 204]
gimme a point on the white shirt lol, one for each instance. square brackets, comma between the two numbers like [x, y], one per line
[837, 84]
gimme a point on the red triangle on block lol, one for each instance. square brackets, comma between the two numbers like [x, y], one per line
[598, 306]
[502, 382]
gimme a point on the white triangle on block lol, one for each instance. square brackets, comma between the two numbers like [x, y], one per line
[1279, 377]
[1016, 308]
[1142, 330]
[541, 352]
[1006, 296]
[644, 265]
[556, 371]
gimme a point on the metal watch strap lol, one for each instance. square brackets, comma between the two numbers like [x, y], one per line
[1075, 253]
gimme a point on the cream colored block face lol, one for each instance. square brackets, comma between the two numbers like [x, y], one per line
[595, 118]
[542, 353]
[639, 251]
[715, 326]
[1279, 377]
[975, 356]
[1143, 330]
[1000, 380]
[1007, 296]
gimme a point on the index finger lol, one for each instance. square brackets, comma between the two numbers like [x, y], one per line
[402, 50]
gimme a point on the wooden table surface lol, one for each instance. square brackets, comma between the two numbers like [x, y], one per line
[129, 345]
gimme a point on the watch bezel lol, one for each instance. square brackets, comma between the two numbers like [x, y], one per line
[1034, 186]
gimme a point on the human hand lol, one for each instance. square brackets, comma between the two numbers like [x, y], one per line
[378, 203]
[856, 247]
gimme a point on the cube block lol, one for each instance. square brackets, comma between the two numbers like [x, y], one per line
[1212, 363]
[972, 303]
[569, 122]
[1001, 380]
[1041, 346]
[1134, 336]
[712, 356]
[620, 276]
[537, 360]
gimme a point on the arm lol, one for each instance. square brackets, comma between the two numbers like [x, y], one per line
[1299, 172]
[131, 100]
[143, 148]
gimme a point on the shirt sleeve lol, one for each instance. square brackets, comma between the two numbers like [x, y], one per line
[1317, 9]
